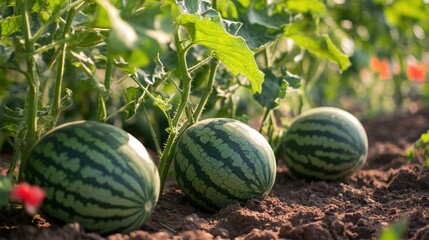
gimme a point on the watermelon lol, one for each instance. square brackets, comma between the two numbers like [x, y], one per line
[95, 174]
[325, 143]
[220, 161]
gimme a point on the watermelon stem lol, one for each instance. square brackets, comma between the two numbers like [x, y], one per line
[56, 103]
[186, 78]
[264, 119]
[167, 155]
[209, 89]
[29, 129]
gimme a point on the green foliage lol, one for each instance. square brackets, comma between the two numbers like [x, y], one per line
[231, 50]
[6, 184]
[421, 144]
[395, 230]
[274, 89]
[164, 65]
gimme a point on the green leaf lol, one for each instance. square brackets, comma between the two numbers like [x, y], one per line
[262, 21]
[6, 184]
[10, 120]
[56, 4]
[194, 6]
[269, 15]
[275, 88]
[132, 95]
[6, 51]
[395, 231]
[123, 34]
[304, 6]
[231, 50]
[321, 47]
[134, 43]
[406, 9]
[10, 25]
[163, 104]
[87, 39]
[425, 137]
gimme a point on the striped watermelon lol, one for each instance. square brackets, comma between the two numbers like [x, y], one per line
[95, 174]
[325, 144]
[221, 161]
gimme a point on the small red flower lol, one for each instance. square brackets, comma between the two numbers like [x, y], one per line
[30, 196]
[416, 73]
[381, 67]
[384, 70]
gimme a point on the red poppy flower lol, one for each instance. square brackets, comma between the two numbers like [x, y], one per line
[384, 70]
[374, 64]
[416, 73]
[30, 196]
[381, 67]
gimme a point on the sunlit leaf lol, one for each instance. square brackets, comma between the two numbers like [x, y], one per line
[262, 22]
[321, 47]
[56, 4]
[10, 25]
[193, 6]
[123, 34]
[406, 9]
[425, 137]
[313, 6]
[163, 104]
[395, 231]
[231, 50]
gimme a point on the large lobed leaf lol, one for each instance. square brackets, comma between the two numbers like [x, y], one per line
[231, 50]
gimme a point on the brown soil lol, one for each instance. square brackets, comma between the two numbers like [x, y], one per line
[387, 189]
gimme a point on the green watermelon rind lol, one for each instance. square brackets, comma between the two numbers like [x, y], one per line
[325, 143]
[220, 161]
[95, 174]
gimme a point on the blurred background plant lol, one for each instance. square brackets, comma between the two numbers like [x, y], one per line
[388, 47]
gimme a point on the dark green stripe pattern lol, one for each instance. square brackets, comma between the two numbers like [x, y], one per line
[94, 174]
[222, 161]
[325, 144]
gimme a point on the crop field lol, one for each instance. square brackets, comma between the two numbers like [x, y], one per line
[214, 119]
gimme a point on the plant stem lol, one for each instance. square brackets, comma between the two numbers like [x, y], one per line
[152, 131]
[264, 118]
[101, 106]
[56, 105]
[167, 155]
[186, 78]
[109, 70]
[209, 89]
[30, 108]
[54, 17]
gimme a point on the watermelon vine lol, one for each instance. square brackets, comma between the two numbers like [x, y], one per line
[160, 66]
